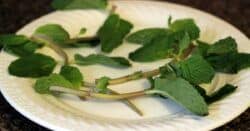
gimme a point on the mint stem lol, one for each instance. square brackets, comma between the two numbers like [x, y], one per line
[130, 104]
[97, 95]
[188, 51]
[82, 39]
[139, 74]
[52, 45]
[113, 9]
[123, 79]
[134, 76]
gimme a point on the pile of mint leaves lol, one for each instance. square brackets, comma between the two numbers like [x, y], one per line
[194, 62]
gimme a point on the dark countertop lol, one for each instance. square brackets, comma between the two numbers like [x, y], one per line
[16, 13]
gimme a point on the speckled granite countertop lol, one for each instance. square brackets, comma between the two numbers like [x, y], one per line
[16, 13]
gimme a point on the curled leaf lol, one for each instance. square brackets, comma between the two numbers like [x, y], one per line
[218, 95]
[145, 36]
[181, 26]
[13, 39]
[160, 48]
[223, 46]
[53, 31]
[22, 50]
[230, 62]
[43, 84]
[101, 84]
[93, 59]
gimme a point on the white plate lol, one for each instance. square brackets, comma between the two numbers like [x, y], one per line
[70, 113]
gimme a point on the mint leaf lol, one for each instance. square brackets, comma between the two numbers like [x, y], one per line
[93, 59]
[53, 31]
[79, 4]
[101, 84]
[82, 31]
[229, 63]
[223, 46]
[18, 45]
[182, 92]
[145, 36]
[221, 93]
[12, 39]
[218, 95]
[160, 48]
[184, 43]
[201, 91]
[73, 75]
[22, 50]
[43, 84]
[112, 32]
[83, 43]
[35, 65]
[201, 48]
[185, 25]
[167, 72]
[195, 70]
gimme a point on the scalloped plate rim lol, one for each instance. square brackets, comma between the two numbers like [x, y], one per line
[41, 122]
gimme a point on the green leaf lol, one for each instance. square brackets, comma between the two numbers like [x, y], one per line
[43, 84]
[119, 62]
[112, 32]
[183, 93]
[218, 95]
[79, 4]
[221, 93]
[145, 36]
[201, 91]
[223, 46]
[83, 31]
[167, 71]
[83, 43]
[12, 39]
[185, 25]
[54, 31]
[229, 63]
[101, 84]
[22, 50]
[195, 70]
[184, 43]
[160, 48]
[73, 75]
[201, 48]
[35, 65]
